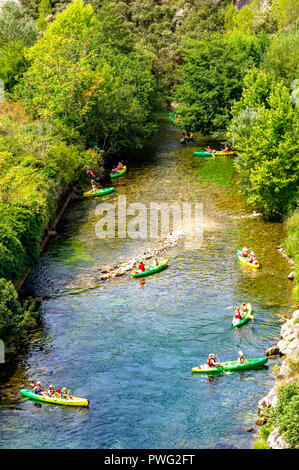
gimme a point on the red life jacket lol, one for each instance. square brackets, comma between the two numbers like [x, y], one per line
[238, 315]
[209, 362]
[141, 267]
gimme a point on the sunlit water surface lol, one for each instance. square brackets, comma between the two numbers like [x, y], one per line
[129, 347]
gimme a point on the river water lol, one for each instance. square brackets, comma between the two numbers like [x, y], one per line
[129, 346]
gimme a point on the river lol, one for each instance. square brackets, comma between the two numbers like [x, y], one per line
[129, 346]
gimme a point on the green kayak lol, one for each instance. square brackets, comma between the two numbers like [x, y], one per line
[55, 400]
[202, 154]
[152, 270]
[237, 324]
[100, 192]
[231, 366]
[119, 173]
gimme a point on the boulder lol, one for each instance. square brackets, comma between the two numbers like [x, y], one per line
[275, 441]
[268, 401]
[273, 351]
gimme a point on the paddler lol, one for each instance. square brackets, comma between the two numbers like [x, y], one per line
[37, 388]
[244, 307]
[65, 394]
[183, 136]
[51, 391]
[252, 257]
[241, 358]
[238, 314]
[114, 170]
[93, 186]
[244, 252]
[226, 149]
[141, 267]
[120, 166]
[212, 361]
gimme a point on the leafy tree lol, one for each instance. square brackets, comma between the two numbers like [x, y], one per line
[281, 59]
[11, 313]
[286, 12]
[268, 162]
[44, 11]
[212, 78]
[17, 31]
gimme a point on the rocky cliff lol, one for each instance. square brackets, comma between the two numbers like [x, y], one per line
[288, 348]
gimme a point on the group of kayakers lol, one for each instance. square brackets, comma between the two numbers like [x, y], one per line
[251, 257]
[186, 136]
[91, 173]
[225, 150]
[212, 360]
[117, 168]
[241, 312]
[50, 391]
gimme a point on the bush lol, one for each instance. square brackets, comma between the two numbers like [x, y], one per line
[11, 312]
[285, 415]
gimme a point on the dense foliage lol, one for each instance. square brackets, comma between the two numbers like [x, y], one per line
[84, 81]
[285, 415]
[212, 79]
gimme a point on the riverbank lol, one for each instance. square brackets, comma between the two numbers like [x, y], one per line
[278, 420]
[278, 410]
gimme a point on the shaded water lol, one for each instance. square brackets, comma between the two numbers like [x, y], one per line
[129, 347]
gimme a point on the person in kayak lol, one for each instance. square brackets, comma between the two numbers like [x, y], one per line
[244, 308]
[141, 267]
[241, 358]
[65, 394]
[183, 136]
[37, 388]
[94, 186]
[226, 149]
[252, 257]
[212, 361]
[51, 391]
[244, 252]
[114, 170]
[120, 166]
[238, 314]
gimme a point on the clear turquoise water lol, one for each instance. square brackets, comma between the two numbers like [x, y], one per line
[129, 347]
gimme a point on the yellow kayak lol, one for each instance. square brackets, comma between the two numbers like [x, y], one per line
[245, 261]
[220, 152]
[74, 401]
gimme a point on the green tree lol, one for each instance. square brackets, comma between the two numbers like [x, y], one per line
[44, 10]
[17, 31]
[268, 162]
[212, 79]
